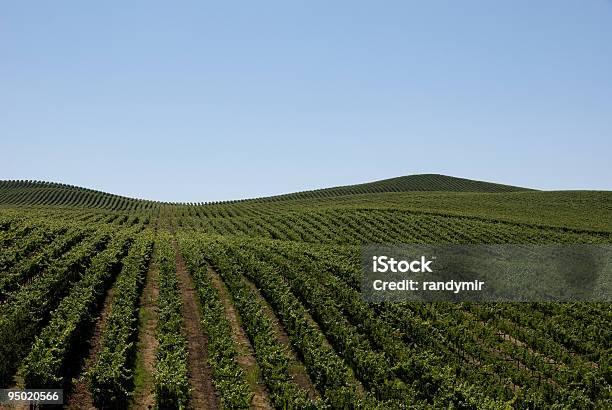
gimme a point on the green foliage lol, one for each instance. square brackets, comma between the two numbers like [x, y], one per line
[229, 378]
[271, 357]
[110, 378]
[171, 382]
[24, 313]
[45, 366]
[61, 248]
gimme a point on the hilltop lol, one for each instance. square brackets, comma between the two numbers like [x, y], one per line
[409, 183]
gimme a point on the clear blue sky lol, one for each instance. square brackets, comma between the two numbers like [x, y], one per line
[194, 101]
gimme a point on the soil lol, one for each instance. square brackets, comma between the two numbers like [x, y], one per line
[80, 398]
[147, 343]
[246, 355]
[203, 393]
[297, 369]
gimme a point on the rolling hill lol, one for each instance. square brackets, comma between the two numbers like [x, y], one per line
[257, 303]
[31, 193]
[409, 183]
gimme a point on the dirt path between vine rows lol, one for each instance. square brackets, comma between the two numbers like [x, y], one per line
[297, 370]
[353, 380]
[80, 398]
[246, 355]
[147, 343]
[203, 393]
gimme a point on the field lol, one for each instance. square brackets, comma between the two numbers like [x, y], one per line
[255, 303]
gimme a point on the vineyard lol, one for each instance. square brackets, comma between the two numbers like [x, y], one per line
[130, 303]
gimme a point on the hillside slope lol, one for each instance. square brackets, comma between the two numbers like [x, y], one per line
[581, 210]
[32, 193]
[38, 193]
[409, 183]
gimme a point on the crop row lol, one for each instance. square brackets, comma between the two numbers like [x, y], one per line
[111, 376]
[270, 355]
[27, 244]
[327, 370]
[426, 379]
[229, 378]
[26, 269]
[25, 312]
[42, 193]
[46, 366]
[463, 332]
[171, 380]
[359, 226]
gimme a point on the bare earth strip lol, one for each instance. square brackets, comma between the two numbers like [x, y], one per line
[81, 396]
[296, 367]
[246, 357]
[147, 343]
[353, 380]
[203, 393]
